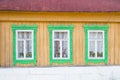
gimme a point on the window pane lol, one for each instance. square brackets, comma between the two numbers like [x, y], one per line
[56, 48]
[91, 48]
[56, 35]
[19, 35]
[99, 48]
[29, 35]
[28, 48]
[65, 49]
[92, 35]
[60, 35]
[20, 49]
[64, 35]
[100, 35]
[23, 35]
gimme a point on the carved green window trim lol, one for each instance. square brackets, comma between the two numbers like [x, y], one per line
[61, 27]
[24, 27]
[96, 27]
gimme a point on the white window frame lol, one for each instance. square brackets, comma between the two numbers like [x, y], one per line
[68, 40]
[32, 37]
[96, 45]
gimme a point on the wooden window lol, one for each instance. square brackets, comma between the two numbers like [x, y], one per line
[60, 43]
[24, 44]
[96, 43]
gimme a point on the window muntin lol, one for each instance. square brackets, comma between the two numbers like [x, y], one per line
[95, 44]
[61, 44]
[24, 44]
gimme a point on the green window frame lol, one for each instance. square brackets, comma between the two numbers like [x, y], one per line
[23, 27]
[61, 27]
[96, 27]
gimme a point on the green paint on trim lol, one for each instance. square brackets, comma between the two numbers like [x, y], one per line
[23, 27]
[96, 27]
[61, 27]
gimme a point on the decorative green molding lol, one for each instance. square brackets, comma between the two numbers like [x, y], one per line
[96, 27]
[61, 27]
[23, 27]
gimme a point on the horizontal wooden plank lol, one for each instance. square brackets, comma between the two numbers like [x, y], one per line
[61, 16]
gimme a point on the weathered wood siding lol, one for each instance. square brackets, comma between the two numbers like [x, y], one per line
[6, 54]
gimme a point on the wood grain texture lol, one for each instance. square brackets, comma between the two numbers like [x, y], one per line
[116, 43]
[38, 45]
[11, 46]
[111, 44]
[119, 43]
[2, 45]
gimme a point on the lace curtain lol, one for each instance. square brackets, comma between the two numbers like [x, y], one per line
[24, 44]
[61, 44]
[95, 44]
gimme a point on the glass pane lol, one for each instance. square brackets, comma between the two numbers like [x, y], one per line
[92, 35]
[29, 34]
[91, 48]
[64, 35]
[23, 35]
[65, 49]
[56, 49]
[56, 35]
[29, 49]
[20, 49]
[99, 48]
[19, 35]
[100, 35]
[60, 35]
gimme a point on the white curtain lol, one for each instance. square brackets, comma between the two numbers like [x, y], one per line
[24, 40]
[96, 38]
[56, 48]
[62, 37]
[20, 49]
[64, 48]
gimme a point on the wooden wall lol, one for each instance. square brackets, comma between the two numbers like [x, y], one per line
[43, 42]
